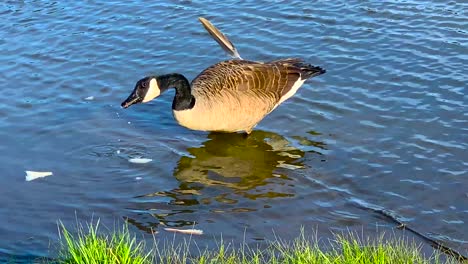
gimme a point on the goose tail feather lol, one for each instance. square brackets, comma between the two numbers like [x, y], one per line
[309, 71]
[305, 69]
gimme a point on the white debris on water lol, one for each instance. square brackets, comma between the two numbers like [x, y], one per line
[140, 160]
[185, 231]
[118, 151]
[138, 178]
[89, 98]
[32, 175]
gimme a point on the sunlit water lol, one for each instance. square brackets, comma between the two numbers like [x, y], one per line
[385, 127]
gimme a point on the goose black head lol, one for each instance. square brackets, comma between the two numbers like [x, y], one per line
[145, 90]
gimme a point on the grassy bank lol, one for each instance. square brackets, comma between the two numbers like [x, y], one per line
[89, 246]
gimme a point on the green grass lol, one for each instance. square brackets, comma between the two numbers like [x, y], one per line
[89, 246]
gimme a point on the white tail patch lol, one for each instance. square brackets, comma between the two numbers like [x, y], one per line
[185, 231]
[32, 175]
[153, 91]
[293, 90]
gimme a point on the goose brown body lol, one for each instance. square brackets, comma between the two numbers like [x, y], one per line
[235, 95]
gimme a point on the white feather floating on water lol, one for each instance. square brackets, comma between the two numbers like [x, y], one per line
[89, 98]
[32, 175]
[185, 231]
[140, 160]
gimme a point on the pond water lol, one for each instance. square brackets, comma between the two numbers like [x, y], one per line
[386, 127]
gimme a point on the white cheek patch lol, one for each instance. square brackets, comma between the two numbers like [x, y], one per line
[153, 91]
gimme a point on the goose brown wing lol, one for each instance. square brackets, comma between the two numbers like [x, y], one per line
[270, 80]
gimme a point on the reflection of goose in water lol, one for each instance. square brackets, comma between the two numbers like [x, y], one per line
[238, 163]
[227, 170]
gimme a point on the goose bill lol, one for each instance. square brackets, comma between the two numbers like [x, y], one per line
[132, 99]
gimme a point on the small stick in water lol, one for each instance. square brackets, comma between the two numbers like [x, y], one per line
[185, 231]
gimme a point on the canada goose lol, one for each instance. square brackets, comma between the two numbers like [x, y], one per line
[230, 96]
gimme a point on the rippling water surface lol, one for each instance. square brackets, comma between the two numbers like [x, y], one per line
[385, 127]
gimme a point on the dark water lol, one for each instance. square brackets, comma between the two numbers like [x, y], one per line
[385, 127]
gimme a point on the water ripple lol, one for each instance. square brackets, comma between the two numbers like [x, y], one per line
[387, 123]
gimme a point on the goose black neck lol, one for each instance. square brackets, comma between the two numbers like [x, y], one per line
[183, 98]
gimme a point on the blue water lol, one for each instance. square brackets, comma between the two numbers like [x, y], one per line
[386, 126]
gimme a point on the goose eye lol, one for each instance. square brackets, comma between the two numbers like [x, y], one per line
[144, 84]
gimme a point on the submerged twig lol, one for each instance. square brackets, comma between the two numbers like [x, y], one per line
[185, 231]
[403, 226]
